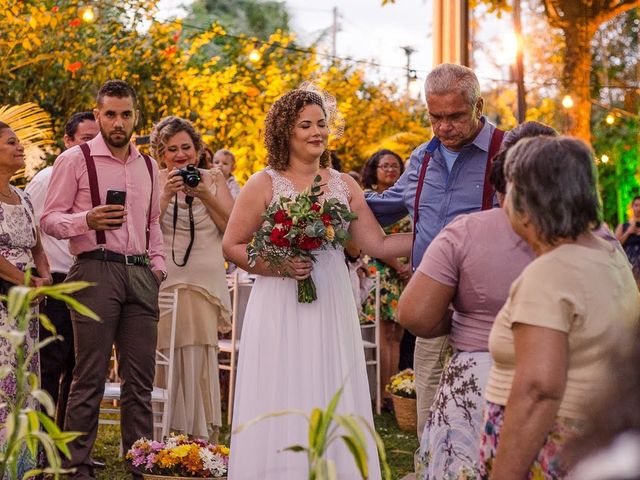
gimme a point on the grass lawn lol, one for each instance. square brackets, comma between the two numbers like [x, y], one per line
[400, 448]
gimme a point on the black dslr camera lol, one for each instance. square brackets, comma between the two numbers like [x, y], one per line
[190, 176]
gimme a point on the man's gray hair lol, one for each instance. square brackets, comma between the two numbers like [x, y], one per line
[448, 77]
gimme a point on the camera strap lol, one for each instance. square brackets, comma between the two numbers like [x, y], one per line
[192, 231]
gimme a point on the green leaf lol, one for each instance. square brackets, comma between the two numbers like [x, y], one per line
[45, 400]
[359, 456]
[382, 453]
[350, 425]
[76, 305]
[294, 448]
[46, 324]
[314, 426]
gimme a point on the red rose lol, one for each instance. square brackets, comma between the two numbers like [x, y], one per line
[315, 207]
[287, 223]
[309, 243]
[326, 219]
[277, 238]
[280, 216]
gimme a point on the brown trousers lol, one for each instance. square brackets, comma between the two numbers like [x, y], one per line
[125, 297]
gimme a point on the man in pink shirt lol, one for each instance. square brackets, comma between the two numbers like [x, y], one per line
[119, 249]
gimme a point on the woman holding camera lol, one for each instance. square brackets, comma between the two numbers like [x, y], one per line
[194, 209]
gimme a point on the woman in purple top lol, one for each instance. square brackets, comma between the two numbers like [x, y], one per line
[469, 266]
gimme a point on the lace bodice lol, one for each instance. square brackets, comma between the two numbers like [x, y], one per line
[283, 187]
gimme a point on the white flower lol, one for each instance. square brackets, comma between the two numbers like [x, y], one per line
[213, 462]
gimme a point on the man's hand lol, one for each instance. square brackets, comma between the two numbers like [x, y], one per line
[405, 272]
[106, 217]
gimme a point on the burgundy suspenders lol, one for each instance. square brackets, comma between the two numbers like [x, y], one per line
[95, 190]
[487, 192]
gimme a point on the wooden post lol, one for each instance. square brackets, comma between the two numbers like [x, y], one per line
[451, 32]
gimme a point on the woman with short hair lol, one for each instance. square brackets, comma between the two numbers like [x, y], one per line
[561, 315]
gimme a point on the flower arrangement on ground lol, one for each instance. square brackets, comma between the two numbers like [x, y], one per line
[294, 227]
[402, 384]
[179, 456]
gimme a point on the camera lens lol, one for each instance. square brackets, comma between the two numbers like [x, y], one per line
[190, 176]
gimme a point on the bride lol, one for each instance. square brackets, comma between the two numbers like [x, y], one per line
[295, 355]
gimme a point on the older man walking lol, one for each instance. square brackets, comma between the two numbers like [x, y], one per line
[446, 177]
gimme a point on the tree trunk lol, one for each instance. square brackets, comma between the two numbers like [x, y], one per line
[576, 74]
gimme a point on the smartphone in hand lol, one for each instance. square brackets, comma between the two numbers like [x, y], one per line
[116, 197]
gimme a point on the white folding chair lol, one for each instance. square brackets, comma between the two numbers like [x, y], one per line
[373, 346]
[229, 348]
[168, 302]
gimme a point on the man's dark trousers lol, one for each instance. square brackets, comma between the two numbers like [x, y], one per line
[126, 299]
[57, 359]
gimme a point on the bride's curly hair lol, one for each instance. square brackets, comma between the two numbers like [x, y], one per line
[279, 125]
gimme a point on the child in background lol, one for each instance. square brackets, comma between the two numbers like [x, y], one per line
[227, 163]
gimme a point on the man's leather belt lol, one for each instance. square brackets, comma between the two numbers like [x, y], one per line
[109, 256]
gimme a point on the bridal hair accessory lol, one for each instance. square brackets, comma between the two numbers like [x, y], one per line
[335, 120]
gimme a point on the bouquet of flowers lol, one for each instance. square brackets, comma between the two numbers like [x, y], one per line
[178, 456]
[402, 384]
[294, 227]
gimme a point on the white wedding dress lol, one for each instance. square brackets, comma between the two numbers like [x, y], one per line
[296, 356]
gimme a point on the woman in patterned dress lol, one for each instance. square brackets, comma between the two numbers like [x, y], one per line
[380, 172]
[20, 249]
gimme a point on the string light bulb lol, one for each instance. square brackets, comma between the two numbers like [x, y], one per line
[254, 56]
[88, 15]
[567, 101]
[610, 119]
[604, 158]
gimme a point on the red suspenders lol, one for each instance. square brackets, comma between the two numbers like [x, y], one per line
[487, 193]
[95, 190]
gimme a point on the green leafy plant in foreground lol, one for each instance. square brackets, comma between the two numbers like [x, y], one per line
[27, 427]
[325, 427]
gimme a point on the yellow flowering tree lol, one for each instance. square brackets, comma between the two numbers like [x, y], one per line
[227, 96]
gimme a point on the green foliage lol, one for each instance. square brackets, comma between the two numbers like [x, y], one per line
[26, 425]
[326, 427]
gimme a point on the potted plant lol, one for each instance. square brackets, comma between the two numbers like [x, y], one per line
[179, 457]
[402, 387]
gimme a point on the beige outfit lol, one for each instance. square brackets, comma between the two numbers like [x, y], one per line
[428, 363]
[590, 294]
[203, 310]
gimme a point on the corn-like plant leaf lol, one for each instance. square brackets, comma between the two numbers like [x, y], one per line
[76, 305]
[45, 400]
[46, 324]
[294, 448]
[382, 453]
[359, 456]
[314, 426]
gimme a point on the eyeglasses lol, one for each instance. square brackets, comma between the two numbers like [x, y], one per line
[389, 166]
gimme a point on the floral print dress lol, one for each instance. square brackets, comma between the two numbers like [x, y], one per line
[390, 284]
[17, 238]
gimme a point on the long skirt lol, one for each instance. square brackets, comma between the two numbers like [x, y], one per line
[547, 464]
[449, 444]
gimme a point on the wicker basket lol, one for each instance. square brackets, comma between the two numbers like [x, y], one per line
[148, 476]
[406, 413]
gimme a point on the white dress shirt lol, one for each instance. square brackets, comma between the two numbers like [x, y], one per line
[57, 251]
